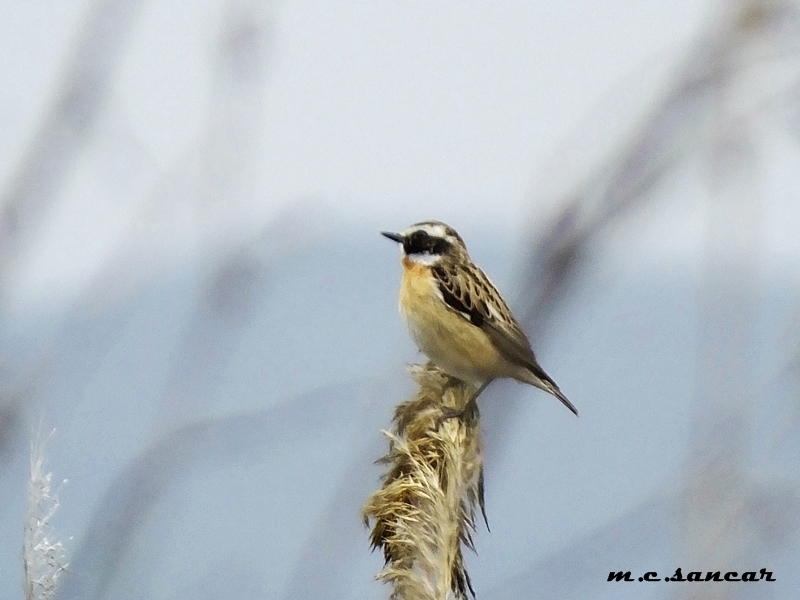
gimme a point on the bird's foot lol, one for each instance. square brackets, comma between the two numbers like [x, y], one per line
[468, 413]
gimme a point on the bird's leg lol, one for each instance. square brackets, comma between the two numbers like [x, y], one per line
[450, 383]
[470, 408]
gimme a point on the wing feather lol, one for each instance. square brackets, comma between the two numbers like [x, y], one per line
[469, 292]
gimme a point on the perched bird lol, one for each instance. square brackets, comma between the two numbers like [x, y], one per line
[458, 318]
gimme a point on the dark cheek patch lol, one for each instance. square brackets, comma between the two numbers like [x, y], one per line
[421, 243]
[441, 246]
[416, 243]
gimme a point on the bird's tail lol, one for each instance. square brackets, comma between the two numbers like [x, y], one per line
[543, 381]
[552, 388]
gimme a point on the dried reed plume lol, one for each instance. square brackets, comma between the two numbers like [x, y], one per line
[44, 560]
[425, 508]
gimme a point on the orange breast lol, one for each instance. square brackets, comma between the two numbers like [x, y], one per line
[454, 344]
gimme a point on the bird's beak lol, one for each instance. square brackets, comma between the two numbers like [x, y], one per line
[393, 236]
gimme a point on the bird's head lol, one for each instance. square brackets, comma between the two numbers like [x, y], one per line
[428, 242]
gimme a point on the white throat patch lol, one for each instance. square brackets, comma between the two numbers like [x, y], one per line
[424, 259]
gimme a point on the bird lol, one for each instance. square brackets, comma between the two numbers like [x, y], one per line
[456, 316]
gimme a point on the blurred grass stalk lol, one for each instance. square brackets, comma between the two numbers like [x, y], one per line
[44, 560]
[424, 511]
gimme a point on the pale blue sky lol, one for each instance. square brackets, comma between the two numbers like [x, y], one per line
[386, 112]
[208, 269]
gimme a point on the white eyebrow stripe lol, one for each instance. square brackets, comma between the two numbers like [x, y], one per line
[433, 230]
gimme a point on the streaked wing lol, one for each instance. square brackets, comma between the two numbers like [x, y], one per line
[468, 291]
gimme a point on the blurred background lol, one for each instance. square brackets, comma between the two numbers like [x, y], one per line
[194, 294]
